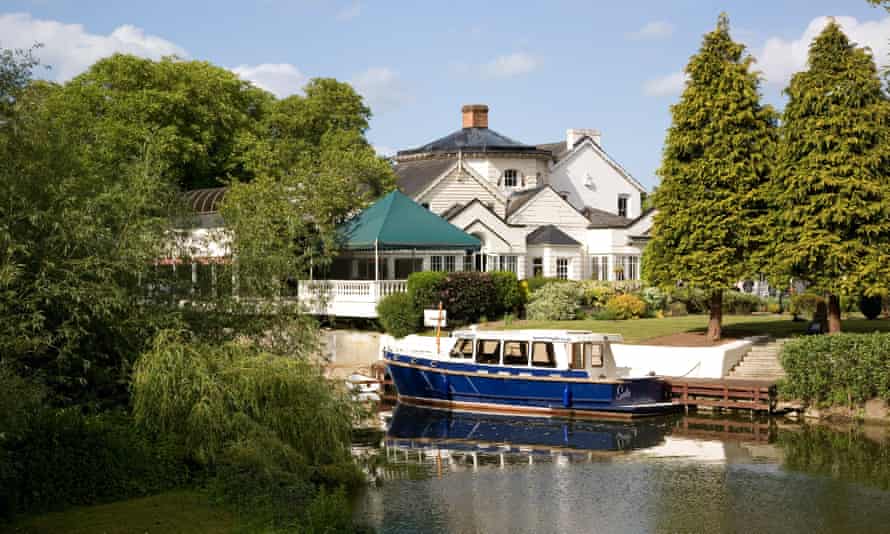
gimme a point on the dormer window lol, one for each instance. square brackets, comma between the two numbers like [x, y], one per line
[622, 205]
[511, 178]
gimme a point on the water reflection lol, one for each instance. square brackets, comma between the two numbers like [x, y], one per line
[461, 472]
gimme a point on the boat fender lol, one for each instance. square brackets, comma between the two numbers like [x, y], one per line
[567, 396]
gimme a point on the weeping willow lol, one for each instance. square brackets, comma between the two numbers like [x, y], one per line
[238, 400]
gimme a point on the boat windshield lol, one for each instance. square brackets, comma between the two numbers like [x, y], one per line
[463, 349]
[543, 355]
[488, 351]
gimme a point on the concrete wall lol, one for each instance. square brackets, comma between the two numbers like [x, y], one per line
[349, 351]
[690, 362]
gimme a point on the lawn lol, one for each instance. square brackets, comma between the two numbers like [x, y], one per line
[171, 512]
[734, 326]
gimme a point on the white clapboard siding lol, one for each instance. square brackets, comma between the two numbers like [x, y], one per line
[460, 187]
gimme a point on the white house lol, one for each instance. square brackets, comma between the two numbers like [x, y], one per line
[564, 209]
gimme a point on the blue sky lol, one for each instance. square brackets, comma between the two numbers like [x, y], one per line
[542, 67]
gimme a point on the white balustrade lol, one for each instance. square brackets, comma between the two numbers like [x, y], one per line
[347, 298]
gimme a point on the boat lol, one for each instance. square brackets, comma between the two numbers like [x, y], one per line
[560, 373]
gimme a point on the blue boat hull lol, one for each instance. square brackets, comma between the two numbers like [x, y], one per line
[538, 391]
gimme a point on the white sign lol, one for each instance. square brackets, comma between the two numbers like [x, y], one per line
[431, 318]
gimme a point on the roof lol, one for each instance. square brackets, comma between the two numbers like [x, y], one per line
[549, 235]
[558, 149]
[412, 177]
[205, 200]
[395, 221]
[517, 200]
[471, 140]
[604, 219]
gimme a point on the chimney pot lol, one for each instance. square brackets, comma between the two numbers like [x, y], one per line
[474, 116]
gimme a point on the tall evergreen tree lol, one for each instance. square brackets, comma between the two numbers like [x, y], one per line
[717, 154]
[832, 193]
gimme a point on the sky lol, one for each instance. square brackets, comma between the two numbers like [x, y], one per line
[541, 67]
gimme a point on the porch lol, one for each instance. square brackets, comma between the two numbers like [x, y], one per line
[346, 298]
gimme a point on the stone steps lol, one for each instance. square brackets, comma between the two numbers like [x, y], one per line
[762, 362]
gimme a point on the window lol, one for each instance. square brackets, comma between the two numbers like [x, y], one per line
[633, 267]
[406, 266]
[449, 264]
[577, 356]
[463, 349]
[562, 268]
[511, 178]
[442, 263]
[599, 267]
[586, 352]
[538, 267]
[468, 262]
[435, 263]
[542, 355]
[507, 263]
[515, 353]
[595, 354]
[488, 352]
[622, 205]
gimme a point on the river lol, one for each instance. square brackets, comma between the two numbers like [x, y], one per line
[463, 473]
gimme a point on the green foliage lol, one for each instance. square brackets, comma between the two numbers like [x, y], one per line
[655, 298]
[842, 369]
[805, 303]
[694, 300]
[398, 315]
[678, 309]
[558, 301]
[425, 289]
[626, 306]
[469, 296]
[596, 293]
[718, 150]
[871, 306]
[738, 303]
[831, 199]
[509, 296]
[537, 282]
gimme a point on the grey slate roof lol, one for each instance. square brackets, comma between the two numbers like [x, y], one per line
[549, 235]
[412, 177]
[517, 200]
[604, 219]
[471, 140]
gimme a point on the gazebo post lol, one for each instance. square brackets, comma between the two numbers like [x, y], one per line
[376, 269]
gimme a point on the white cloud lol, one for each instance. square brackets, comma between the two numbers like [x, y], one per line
[778, 59]
[350, 12]
[382, 88]
[280, 79]
[69, 49]
[659, 29]
[672, 84]
[510, 65]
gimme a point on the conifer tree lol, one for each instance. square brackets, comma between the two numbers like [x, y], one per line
[717, 154]
[832, 193]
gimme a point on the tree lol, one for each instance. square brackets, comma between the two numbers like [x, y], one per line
[832, 193]
[716, 155]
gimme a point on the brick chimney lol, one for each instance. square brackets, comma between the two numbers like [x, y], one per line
[475, 116]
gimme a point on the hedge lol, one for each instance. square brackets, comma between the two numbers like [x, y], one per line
[425, 289]
[469, 296]
[841, 369]
[398, 315]
[738, 303]
[510, 297]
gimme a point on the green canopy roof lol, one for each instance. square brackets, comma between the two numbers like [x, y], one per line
[397, 222]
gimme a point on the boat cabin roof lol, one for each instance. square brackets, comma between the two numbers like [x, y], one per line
[557, 336]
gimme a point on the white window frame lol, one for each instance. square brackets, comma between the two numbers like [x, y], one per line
[449, 264]
[511, 175]
[508, 263]
[625, 199]
[436, 263]
[562, 268]
[599, 267]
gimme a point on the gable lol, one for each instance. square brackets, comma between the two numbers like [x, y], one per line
[475, 216]
[547, 207]
[460, 186]
[596, 158]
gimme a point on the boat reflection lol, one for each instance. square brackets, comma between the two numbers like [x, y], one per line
[422, 428]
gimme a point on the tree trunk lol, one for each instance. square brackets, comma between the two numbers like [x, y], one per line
[834, 314]
[715, 324]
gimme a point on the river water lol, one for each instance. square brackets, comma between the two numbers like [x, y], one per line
[450, 472]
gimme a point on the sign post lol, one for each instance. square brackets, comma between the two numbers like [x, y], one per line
[436, 318]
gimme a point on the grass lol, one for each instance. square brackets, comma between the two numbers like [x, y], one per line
[172, 512]
[734, 326]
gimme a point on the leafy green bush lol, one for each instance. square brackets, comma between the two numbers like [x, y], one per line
[597, 293]
[626, 306]
[537, 282]
[555, 302]
[469, 296]
[509, 296]
[842, 369]
[871, 306]
[695, 300]
[738, 303]
[678, 309]
[425, 289]
[398, 315]
[655, 299]
[805, 303]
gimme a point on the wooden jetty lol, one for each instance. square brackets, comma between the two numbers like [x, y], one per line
[730, 393]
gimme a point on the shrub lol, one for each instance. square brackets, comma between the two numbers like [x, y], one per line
[841, 369]
[626, 306]
[398, 315]
[537, 282]
[870, 306]
[678, 309]
[655, 299]
[469, 296]
[425, 289]
[509, 296]
[738, 303]
[555, 302]
[805, 304]
[695, 300]
[774, 307]
[597, 293]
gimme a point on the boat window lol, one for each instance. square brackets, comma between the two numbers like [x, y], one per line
[488, 351]
[515, 353]
[543, 355]
[463, 349]
[595, 354]
[578, 358]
